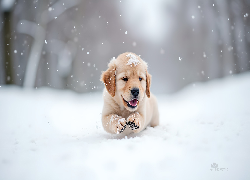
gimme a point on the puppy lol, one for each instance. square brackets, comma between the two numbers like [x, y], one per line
[128, 104]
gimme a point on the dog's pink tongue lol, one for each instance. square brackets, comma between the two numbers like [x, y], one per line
[133, 102]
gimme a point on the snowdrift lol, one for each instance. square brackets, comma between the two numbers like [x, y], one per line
[203, 134]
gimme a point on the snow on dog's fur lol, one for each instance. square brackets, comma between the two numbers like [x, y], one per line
[129, 106]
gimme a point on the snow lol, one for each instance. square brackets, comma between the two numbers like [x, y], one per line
[116, 117]
[121, 120]
[52, 134]
[132, 59]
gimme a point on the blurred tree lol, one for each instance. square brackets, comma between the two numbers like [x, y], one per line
[246, 30]
[7, 7]
[2, 71]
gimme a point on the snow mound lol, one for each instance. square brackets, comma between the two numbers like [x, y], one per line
[203, 134]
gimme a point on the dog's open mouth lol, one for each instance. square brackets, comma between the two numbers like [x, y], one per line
[132, 104]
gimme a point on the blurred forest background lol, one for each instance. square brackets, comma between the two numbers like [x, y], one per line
[66, 44]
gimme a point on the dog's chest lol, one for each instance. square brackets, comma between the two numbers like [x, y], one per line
[125, 113]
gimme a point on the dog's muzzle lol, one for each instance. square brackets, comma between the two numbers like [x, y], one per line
[132, 104]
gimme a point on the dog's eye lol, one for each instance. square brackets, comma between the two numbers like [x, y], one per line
[140, 79]
[125, 79]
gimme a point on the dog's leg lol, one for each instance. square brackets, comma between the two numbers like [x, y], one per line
[135, 121]
[114, 124]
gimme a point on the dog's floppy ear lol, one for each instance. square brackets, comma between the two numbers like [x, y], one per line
[148, 82]
[108, 78]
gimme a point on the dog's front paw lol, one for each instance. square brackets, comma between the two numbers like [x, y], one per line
[118, 124]
[121, 125]
[133, 121]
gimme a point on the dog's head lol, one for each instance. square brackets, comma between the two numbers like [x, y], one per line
[128, 80]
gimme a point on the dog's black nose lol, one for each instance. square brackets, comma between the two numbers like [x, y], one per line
[135, 92]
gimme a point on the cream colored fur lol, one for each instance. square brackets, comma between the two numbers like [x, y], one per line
[117, 116]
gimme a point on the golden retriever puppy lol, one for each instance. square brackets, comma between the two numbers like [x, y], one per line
[128, 104]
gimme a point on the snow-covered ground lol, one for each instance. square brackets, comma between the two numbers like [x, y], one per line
[48, 135]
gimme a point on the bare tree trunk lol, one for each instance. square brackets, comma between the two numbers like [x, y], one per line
[8, 63]
[2, 70]
[239, 44]
[246, 7]
[226, 55]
